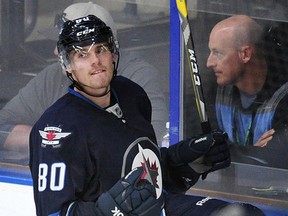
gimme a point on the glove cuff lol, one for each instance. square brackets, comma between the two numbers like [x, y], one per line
[189, 150]
[106, 206]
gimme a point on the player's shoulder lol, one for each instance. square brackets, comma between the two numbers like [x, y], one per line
[62, 105]
[68, 109]
[123, 83]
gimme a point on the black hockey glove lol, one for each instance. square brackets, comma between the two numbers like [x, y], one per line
[218, 156]
[199, 156]
[130, 196]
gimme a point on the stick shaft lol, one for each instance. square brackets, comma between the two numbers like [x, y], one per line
[193, 66]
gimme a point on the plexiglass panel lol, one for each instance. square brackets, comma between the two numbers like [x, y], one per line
[257, 173]
[28, 40]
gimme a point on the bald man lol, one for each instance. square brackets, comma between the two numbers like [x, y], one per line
[250, 105]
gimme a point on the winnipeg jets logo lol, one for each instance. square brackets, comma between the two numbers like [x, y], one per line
[150, 170]
[52, 136]
[151, 166]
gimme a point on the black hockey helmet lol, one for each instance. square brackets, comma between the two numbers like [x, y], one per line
[83, 32]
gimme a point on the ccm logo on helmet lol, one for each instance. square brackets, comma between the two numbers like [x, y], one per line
[87, 31]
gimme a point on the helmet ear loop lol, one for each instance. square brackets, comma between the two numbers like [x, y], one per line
[115, 50]
[63, 59]
[116, 63]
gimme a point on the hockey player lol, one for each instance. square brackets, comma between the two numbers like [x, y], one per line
[94, 151]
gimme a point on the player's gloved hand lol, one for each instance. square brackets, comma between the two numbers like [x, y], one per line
[200, 155]
[218, 156]
[131, 195]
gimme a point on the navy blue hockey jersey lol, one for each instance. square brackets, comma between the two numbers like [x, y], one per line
[79, 150]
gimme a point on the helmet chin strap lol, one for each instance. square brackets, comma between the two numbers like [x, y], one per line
[80, 88]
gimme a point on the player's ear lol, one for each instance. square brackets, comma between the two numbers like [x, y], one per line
[246, 53]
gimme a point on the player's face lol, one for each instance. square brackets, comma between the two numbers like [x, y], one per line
[224, 58]
[92, 67]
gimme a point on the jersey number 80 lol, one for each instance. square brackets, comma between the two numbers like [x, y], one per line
[56, 177]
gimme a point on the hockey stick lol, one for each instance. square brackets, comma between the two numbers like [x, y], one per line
[193, 67]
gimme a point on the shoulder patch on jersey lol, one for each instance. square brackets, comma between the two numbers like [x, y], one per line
[51, 136]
